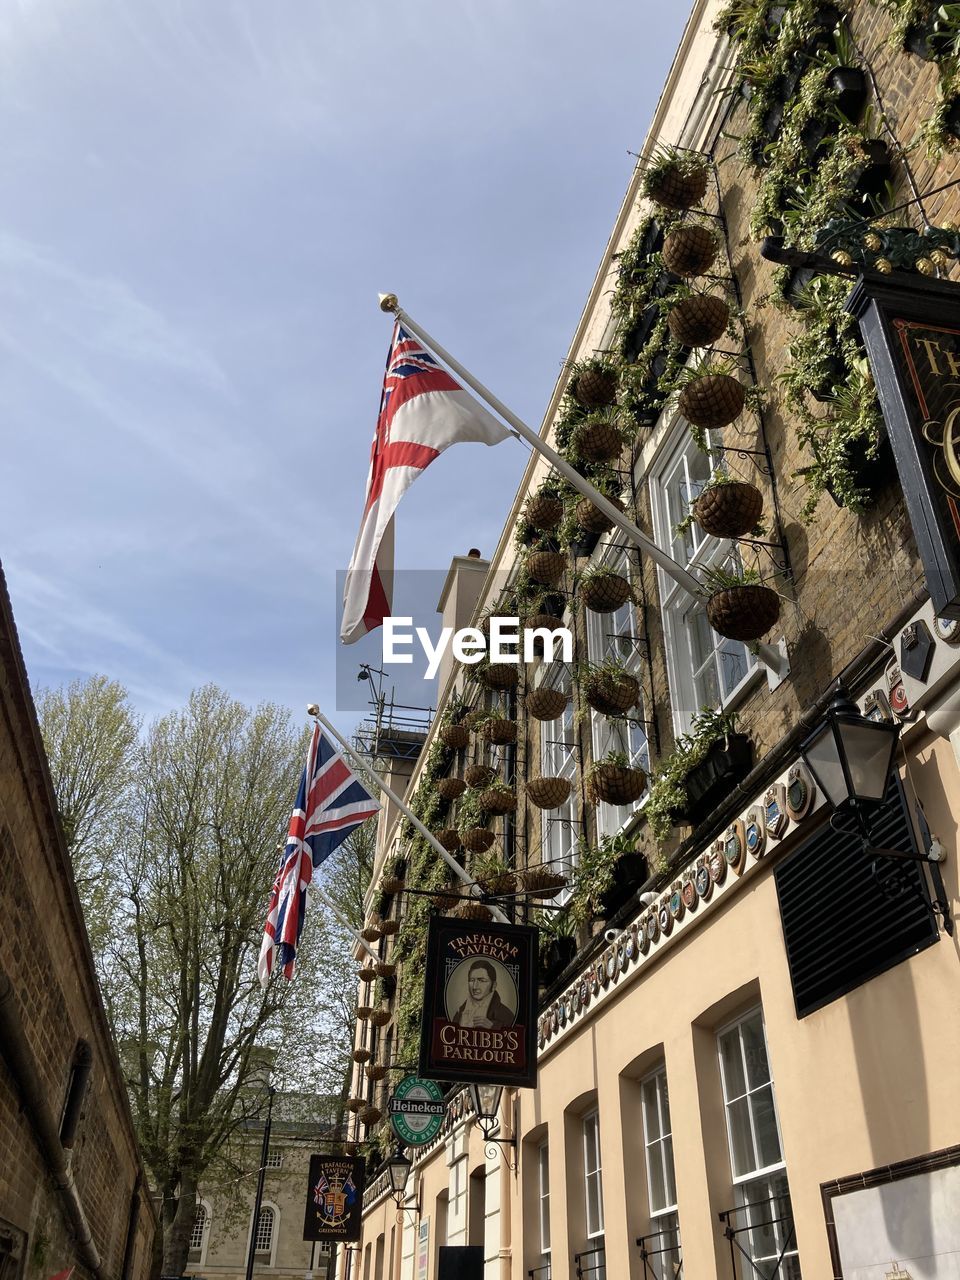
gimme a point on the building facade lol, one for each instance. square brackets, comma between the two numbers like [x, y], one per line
[748, 1021]
[72, 1187]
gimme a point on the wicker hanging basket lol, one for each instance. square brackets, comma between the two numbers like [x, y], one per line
[676, 186]
[499, 731]
[367, 973]
[611, 695]
[370, 1115]
[364, 1011]
[389, 928]
[547, 620]
[605, 592]
[375, 1071]
[361, 1055]
[496, 801]
[498, 882]
[548, 793]
[598, 441]
[594, 388]
[371, 933]
[451, 788]
[544, 511]
[698, 321]
[501, 675]
[546, 567]
[545, 704]
[744, 612]
[479, 775]
[380, 1017]
[689, 251]
[456, 736]
[392, 884]
[591, 519]
[473, 718]
[477, 839]
[355, 1104]
[385, 969]
[445, 901]
[543, 882]
[729, 510]
[449, 837]
[615, 784]
[712, 401]
[465, 910]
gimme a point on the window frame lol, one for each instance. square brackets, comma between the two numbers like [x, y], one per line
[591, 1121]
[197, 1254]
[543, 1201]
[263, 1254]
[560, 828]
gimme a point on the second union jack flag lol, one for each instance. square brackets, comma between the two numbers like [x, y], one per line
[423, 410]
[331, 802]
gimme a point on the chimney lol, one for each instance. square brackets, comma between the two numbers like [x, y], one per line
[458, 600]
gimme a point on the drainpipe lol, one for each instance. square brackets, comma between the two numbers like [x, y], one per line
[132, 1223]
[20, 1062]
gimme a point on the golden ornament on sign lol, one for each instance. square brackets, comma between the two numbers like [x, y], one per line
[873, 242]
[952, 227]
[883, 265]
[841, 258]
[939, 258]
[925, 266]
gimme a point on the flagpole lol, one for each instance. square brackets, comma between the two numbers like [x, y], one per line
[405, 809]
[318, 893]
[685, 579]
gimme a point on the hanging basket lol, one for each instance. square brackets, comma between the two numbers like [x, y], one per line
[498, 882]
[676, 186]
[611, 695]
[380, 1017]
[389, 928]
[698, 321]
[479, 775]
[594, 388]
[543, 882]
[499, 731]
[689, 251]
[368, 973]
[392, 884]
[375, 1071]
[473, 718]
[545, 704]
[744, 612]
[591, 519]
[449, 837]
[548, 620]
[385, 969]
[355, 1104]
[477, 839]
[371, 933]
[364, 1011]
[546, 567]
[712, 401]
[472, 911]
[548, 793]
[729, 510]
[544, 511]
[445, 901]
[456, 736]
[614, 784]
[501, 675]
[598, 441]
[496, 801]
[361, 1055]
[451, 788]
[605, 592]
[370, 1115]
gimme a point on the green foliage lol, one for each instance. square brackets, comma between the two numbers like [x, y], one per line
[668, 795]
[593, 876]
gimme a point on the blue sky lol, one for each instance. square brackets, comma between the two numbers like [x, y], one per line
[199, 203]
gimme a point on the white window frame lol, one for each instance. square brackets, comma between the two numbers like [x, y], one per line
[594, 1230]
[203, 1206]
[658, 1148]
[756, 1184]
[543, 1201]
[559, 828]
[262, 1254]
[700, 551]
[274, 1160]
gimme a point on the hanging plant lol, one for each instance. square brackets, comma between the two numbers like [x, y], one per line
[546, 567]
[548, 792]
[608, 688]
[370, 1115]
[740, 607]
[591, 519]
[690, 250]
[668, 794]
[451, 788]
[498, 799]
[370, 933]
[367, 973]
[472, 821]
[449, 837]
[728, 508]
[361, 1055]
[614, 780]
[498, 730]
[355, 1104]
[546, 704]
[593, 382]
[710, 397]
[386, 969]
[473, 718]
[389, 928]
[675, 178]
[471, 910]
[542, 881]
[479, 775]
[603, 590]
[499, 676]
[456, 736]
[375, 1071]
[494, 876]
[599, 437]
[699, 319]
[544, 510]
[380, 1017]
[364, 1011]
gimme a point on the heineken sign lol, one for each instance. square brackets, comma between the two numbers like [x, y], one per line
[911, 329]
[417, 1110]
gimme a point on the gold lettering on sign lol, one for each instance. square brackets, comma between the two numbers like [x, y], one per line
[934, 349]
[946, 463]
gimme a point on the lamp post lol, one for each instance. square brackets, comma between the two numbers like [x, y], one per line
[850, 757]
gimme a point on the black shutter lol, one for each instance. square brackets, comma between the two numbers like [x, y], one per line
[845, 919]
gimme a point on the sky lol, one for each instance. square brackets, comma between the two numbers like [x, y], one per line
[200, 201]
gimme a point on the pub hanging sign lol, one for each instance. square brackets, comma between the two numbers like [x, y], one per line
[480, 1003]
[334, 1198]
[911, 329]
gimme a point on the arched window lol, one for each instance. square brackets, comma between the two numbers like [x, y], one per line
[200, 1233]
[263, 1238]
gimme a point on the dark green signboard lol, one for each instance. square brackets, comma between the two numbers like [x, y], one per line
[417, 1110]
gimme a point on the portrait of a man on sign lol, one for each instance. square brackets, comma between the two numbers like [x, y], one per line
[479, 1014]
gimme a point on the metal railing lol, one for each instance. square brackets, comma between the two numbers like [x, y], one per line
[591, 1263]
[660, 1252]
[540, 1273]
[770, 1252]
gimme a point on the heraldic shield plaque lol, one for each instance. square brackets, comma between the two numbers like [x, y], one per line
[334, 1198]
[480, 1004]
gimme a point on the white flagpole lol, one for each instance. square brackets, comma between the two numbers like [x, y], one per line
[451, 862]
[388, 302]
[322, 897]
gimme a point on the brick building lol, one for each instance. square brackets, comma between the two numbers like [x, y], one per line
[72, 1188]
[748, 1023]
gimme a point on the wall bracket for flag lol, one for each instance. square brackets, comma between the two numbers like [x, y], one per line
[405, 809]
[771, 656]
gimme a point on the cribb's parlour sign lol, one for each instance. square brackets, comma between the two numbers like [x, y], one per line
[479, 1009]
[911, 328]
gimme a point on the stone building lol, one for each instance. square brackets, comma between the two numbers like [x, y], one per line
[72, 1189]
[748, 1022]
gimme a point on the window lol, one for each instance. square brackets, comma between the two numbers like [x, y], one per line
[324, 1249]
[263, 1237]
[275, 1160]
[663, 1243]
[543, 1200]
[559, 828]
[615, 637]
[200, 1232]
[591, 1174]
[764, 1221]
[705, 669]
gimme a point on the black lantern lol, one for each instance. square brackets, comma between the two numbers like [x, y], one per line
[849, 755]
[398, 1170]
[486, 1104]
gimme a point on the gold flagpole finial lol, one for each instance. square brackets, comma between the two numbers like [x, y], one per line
[389, 302]
[312, 709]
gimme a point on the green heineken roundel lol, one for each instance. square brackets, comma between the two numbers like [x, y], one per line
[417, 1110]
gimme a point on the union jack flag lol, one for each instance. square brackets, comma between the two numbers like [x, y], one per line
[331, 802]
[423, 410]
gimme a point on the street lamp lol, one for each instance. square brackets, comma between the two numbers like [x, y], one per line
[851, 756]
[486, 1106]
[398, 1171]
